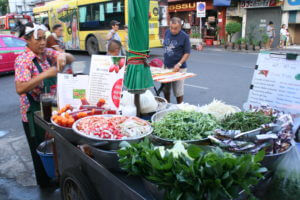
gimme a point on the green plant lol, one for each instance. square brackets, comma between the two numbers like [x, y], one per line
[192, 172]
[4, 7]
[233, 27]
[185, 125]
[244, 40]
[239, 41]
[265, 38]
[256, 42]
[195, 35]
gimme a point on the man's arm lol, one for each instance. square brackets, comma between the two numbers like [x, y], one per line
[110, 35]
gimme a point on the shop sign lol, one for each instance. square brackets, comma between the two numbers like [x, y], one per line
[201, 9]
[258, 3]
[291, 5]
[181, 7]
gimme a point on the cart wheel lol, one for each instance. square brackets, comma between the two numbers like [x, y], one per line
[75, 186]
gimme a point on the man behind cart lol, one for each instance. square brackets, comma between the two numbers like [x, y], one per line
[177, 48]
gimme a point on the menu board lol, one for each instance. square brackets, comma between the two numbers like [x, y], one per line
[106, 80]
[276, 82]
[70, 89]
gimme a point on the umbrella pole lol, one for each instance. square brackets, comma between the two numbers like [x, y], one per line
[137, 104]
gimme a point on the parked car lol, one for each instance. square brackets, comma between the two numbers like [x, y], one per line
[10, 48]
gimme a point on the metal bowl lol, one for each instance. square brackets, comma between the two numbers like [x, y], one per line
[68, 133]
[109, 159]
[110, 144]
[162, 103]
[167, 142]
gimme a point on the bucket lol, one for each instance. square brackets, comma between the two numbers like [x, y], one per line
[209, 42]
[45, 152]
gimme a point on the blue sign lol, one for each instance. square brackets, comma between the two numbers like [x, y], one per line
[294, 2]
[222, 2]
[201, 6]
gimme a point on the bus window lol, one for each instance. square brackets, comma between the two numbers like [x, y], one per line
[98, 16]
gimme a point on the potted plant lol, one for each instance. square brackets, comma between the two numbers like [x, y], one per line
[243, 43]
[238, 43]
[232, 28]
[195, 38]
[265, 40]
[256, 46]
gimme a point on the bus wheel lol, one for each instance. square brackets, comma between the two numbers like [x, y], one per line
[92, 45]
[75, 186]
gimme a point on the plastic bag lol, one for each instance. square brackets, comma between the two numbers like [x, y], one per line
[285, 183]
[147, 101]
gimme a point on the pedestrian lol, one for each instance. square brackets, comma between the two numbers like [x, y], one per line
[177, 48]
[113, 33]
[283, 34]
[114, 48]
[35, 72]
[287, 43]
[271, 34]
[55, 40]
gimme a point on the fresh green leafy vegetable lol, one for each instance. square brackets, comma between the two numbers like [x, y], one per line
[246, 121]
[194, 173]
[185, 125]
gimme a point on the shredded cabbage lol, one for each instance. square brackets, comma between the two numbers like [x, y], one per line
[218, 109]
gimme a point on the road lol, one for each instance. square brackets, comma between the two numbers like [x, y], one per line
[223, 75]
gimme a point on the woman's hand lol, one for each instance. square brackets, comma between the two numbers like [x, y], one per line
[61, 62]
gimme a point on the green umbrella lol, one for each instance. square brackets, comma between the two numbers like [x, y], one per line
[138, 76]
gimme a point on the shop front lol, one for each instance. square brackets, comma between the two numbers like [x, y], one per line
[258, 15]
[291, 17]
[211, 27]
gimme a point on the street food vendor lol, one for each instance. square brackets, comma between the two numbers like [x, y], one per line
[35, 72]
[177, 50]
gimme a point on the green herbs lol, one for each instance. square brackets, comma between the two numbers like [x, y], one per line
[245, 121]
[185, 125]
[192, 172]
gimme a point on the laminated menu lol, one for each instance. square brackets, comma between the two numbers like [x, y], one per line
[70, 89]
[106, 80]
[276, 82]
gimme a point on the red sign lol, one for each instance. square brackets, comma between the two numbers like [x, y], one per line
[181, 7]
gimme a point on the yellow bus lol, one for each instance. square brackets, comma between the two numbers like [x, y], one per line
[87, 22]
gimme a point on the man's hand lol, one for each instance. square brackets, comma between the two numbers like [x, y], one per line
[61, 61]
[177, 67]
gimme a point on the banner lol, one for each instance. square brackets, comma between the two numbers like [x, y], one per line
[222, 2]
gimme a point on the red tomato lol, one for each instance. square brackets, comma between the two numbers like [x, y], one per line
[121, 63]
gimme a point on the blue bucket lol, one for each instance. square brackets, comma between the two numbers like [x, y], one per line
[45, 152]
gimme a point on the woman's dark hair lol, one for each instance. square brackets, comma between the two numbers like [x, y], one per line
[22, 29]
[270, 23]
[56, 26]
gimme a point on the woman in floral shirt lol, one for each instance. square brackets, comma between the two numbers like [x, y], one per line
[35, 69]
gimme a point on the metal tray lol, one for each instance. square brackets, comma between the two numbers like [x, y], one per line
[108, 144]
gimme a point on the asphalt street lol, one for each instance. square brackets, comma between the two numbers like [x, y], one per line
[222, 75]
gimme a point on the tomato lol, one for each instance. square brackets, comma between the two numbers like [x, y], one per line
[121, 63]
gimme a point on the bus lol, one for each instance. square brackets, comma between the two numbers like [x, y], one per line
[87, 22]
[9, 21]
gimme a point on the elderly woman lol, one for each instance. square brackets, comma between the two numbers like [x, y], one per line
[35, 72]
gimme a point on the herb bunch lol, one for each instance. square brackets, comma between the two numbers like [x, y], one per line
[246, 121]
[197, 174]
[185, 125]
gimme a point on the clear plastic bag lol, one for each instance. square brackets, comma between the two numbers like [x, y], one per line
[285, 183]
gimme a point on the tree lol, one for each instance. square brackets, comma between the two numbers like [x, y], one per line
[232, 28]
[4, 7]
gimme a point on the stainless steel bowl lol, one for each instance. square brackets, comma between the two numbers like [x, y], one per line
[167, 142]
[68, 133]
[108, 144]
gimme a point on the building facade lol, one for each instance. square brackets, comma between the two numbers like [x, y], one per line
[212, 26]
[24, 6]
